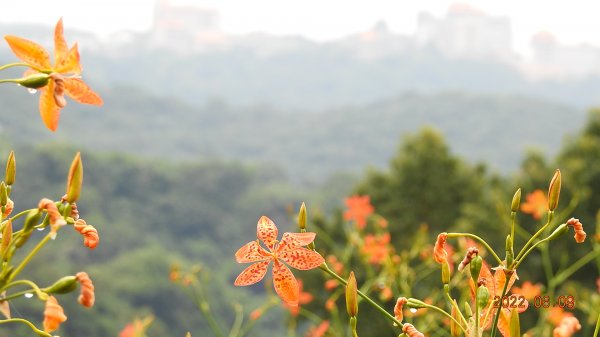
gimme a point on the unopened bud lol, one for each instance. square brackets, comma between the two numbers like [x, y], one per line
[11, 169]
[483, 296]
[74, 179]
[34, 81]
[554, 191]
[475, 266]
[7, 233]
[468, 310]
[516, 201]
[3, 194]
[515, 325]
[33, 219]
[64, 285]
[302, 217]
[445, 273]
[352, 296]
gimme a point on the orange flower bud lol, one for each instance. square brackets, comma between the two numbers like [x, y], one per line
[331, 284]
[411, 331]
[54, 315]
[439, 253]
[75, 179]
[554, 191]
[578, 227]
[352, 296]
[11, 169]
[87, 297]
[90, 234]
[399, 307]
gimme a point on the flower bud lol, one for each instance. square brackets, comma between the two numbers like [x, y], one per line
[74, 179]
[11, 169]
[34, 81]
[483, 296]
[416, 304]
[554, 191]
[64, 285]
[302, 217]
[475, 266]
[445, 273]
[352, 296]
[515, 325]
[7, 233]
[3, 194]
[516, 201]
[468, 310]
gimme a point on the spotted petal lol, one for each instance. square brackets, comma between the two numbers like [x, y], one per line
[49, 110]
[79, 91]
[302, 258]
[29, 52]
[69, 62]
[291, 241]
[266, 231]
[251, 252]
[60, 45]
[252, 274]
[285, 284]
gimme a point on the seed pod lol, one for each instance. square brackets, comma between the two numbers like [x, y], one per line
[475, 265]
[483, 296]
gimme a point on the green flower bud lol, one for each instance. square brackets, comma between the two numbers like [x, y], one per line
[516, 201]
[302, 217]
[445, 273]
[7, 234]
[11, 169]
[352, 296]
[64, 285]
[509, 251]
[34, 81]
[554, 191]
[3, 194]
[416, 304]
[468, 310]
[75, 179]
[475, 266]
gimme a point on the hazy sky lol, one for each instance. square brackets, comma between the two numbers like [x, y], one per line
[573, 21]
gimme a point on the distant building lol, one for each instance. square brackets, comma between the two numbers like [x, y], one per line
[466, 32]
[185, 28]
[376, 43]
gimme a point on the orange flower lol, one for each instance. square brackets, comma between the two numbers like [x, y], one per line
[578, 227]
[331, 284]
[568, 326]
[54, 315]
[318, 331]
[64, 76]
[439, 253]
[303, 298]
[376, 248]
[399, 307]
[289, 250]
[90, 234]
[87, 297]
[536, 204]
[359, 208]
[557, 314]
[137, 328]
[528, 290]
[255, 314]
[56, 219]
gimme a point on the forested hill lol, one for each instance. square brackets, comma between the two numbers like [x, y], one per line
[309, 145]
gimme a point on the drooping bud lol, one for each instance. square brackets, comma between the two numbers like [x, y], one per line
[439, 252]
[399, 307]
[454, 327]
[302, 217]
[554, 191]
[515, 325]
[11, 169]
[483, 296]
[3, 194]
[34, 81]
[580, 235]
[64, 285]
[74, 179]
[516, 201]
[475, 265]
[352, 296]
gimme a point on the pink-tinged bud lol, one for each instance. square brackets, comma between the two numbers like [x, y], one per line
[580, 235]
[11, 169]
[74, 179]
[554, 191]
[411, 331]
[399, 307]
[439, 252]
[352, 296]
[471, 253]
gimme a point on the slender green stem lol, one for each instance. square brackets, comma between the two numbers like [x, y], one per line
[204, 307]
[15, 295]
[546, 262]
[440, 310]
[239, 319]
[17, 64]
[29, 256]
[9, 80]
[497, 316]
[41, 295]
[597, 327]
[513, 216]
[476, 311]
[560, 277]
[463, 319]
[311, 316]
[473, 236]
[538, 233]
[28, 323]
[326, 269]
[250, 324]
[522, 258]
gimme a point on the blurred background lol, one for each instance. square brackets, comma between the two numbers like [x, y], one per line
[217, 112]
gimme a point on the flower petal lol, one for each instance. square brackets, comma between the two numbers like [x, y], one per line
[60, 45]
[69, 63]
[252, 274]
[266, 231]
[251, 252]
[29, 52]
[80, 92]
[302, 258]
[291, 241]
[504, 322]
[285, 284]
[48, 109]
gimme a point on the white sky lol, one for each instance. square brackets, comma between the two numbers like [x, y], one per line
[573, 21]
